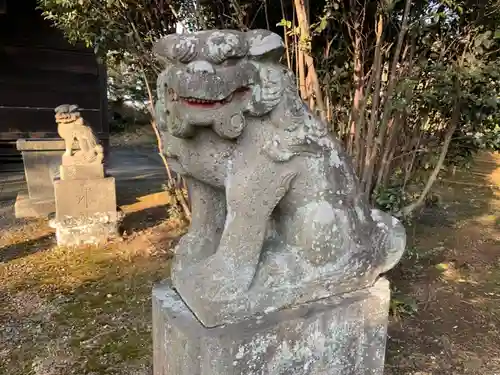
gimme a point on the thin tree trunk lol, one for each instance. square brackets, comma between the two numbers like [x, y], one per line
[353, 145]
[405, 211]
[394, 130]
[370, 135]
[368, 175]
[302, 74]
[417, 134]
[385, 177]
[285, 36]
[362, 121]
[394, 126]
[329, 111]
[301, 20]
[177, 193]
[328, 100]
[389, 151]
[308, 61]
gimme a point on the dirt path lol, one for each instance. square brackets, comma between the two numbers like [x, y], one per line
[447, 298]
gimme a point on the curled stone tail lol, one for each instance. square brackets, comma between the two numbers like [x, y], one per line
[395, 239]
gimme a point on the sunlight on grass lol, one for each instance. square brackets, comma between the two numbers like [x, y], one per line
[84, 310]
[100, 306]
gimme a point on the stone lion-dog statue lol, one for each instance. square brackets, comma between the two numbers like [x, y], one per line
[278, 215]
[71, 126]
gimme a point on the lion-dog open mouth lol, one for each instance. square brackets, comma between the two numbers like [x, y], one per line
[207, 103]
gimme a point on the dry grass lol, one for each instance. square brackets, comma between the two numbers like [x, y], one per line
[87, 310]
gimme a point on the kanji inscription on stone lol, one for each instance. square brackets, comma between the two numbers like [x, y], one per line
[75, 198]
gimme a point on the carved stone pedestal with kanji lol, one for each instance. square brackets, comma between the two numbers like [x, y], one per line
[85, 211]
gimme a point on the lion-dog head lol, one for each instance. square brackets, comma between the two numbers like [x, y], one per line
[217, 79]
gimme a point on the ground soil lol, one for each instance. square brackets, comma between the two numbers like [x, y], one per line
[143, 136]
[447, 289]
[88, 311]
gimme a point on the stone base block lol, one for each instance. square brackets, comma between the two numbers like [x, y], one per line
[41, 159]
[85, 211]
[25, 207]
[79, 198]
[96, 229]
[81, 172]
[340, 335]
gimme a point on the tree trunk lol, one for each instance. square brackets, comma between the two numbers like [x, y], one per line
[354, 131]
[368, 175]
[308, 61]
[394, 126]
[285, 37]
[405, 211]
[370, 146]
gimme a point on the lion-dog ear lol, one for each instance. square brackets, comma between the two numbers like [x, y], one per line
[175, 47]
[264, 44]
[163, 48]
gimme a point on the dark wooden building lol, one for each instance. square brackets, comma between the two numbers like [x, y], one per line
[40, 70]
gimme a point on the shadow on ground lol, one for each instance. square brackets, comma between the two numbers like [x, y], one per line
[138, 172]
[19, 250]
[84, 311]
[146, 218]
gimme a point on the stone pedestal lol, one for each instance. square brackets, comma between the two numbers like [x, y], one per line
[340, 335]
[85, 207]
[41, 159]
[26, 207]
[81, 172]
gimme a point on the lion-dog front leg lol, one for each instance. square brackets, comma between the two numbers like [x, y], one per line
[252, 192]
[68, 146]
[207, 222]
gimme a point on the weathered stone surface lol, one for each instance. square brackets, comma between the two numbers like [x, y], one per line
[95, 229]
[41, 144]
[81, 171]
[343, 335]
[278, 216]
[25, 207]
[71, 126]
[85, 211]
[76, 198]
[85, 200]
[41, 158]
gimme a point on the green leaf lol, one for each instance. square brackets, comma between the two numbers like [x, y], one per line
[284, 23]
[442, 266]
[322, 25]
